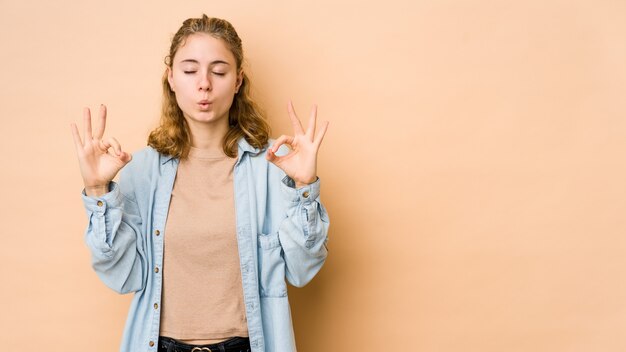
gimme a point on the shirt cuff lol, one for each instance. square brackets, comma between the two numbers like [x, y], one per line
[99, 204]
[305, 194]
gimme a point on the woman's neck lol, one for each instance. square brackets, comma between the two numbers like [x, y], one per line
[207, 135]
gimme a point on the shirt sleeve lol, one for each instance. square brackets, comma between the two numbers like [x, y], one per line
[113, 236]
[304, 232]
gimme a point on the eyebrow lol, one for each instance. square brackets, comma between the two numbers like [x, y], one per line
[212, 62]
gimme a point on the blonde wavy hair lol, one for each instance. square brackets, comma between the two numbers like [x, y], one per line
[245, 118]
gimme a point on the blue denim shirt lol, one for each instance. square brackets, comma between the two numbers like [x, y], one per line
[281, 233]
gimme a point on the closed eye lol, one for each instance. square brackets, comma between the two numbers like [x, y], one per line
[215, 73]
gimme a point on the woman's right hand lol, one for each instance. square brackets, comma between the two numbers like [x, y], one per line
[98, 164]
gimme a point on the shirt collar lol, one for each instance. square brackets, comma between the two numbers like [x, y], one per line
[243, 147]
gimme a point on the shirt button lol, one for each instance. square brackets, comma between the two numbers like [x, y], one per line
[157, 232]
[151, 343]
[305, 194]
[156, 306]
[100, 203]
[156, 269]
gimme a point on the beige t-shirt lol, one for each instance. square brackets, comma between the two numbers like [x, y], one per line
[202, 298]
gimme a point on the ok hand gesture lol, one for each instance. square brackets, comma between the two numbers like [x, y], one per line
[301, 163]
[98, 165]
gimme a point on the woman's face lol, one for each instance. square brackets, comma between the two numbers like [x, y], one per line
[204, 79]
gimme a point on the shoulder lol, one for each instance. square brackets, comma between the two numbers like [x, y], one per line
[258, 156]
[246, 148]
[282, 150]
[144, 161]
[262, 170]
[135, 177]
[145, 155]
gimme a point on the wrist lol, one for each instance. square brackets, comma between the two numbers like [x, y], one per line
[97, 190]
[300, 184]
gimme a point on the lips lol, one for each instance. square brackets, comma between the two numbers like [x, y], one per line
[204, 104]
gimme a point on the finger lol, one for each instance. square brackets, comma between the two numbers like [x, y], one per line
[310, 131]
[295, 122]
[99, 131]
[104, 145]
[321, 133]
[284, 139]
[87, 123]
[117, 149]
[271, 156]
[112, 142]
[78, 143]
[126, 157]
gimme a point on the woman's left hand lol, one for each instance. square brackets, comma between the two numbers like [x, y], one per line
[301, 162]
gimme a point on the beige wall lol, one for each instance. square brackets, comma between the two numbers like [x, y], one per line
[474, 167]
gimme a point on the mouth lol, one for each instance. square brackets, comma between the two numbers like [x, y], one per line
[205, 104]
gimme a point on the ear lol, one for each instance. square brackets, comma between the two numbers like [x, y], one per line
[170, 79]
[239, 81]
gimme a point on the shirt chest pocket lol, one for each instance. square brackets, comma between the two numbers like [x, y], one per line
[271, 267]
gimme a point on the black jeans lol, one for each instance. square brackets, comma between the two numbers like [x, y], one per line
[235, 344]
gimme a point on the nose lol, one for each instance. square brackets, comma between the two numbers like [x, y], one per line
[205, 82]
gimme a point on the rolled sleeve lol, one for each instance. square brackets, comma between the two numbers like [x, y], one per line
[305, 194]
[303, 233]
[114, 237]
[102, 212]
[99, 204]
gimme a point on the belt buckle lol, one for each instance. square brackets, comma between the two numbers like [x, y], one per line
[195, 349]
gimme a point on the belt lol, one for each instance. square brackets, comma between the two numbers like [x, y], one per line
[235, 344]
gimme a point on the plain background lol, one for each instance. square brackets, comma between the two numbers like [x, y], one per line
[474, 169]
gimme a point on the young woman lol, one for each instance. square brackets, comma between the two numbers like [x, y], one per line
[207, 221]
